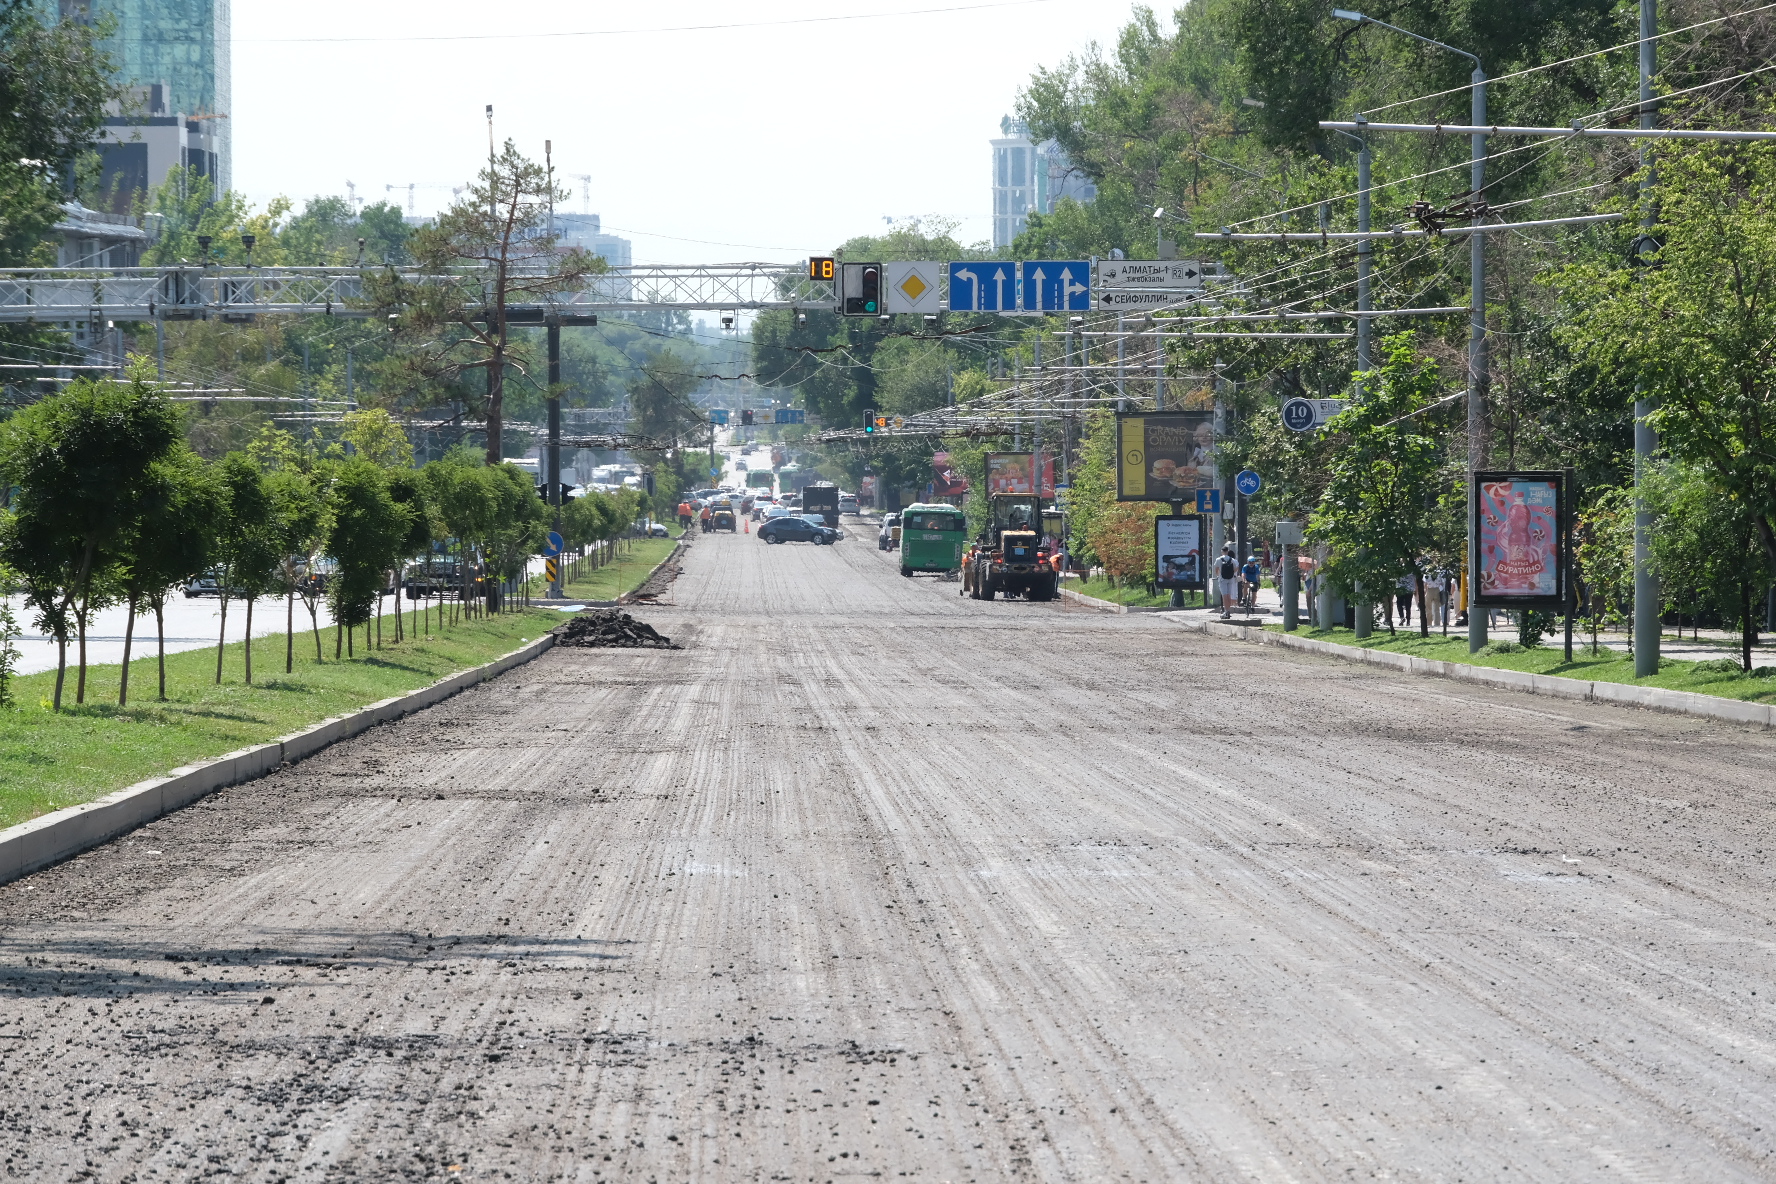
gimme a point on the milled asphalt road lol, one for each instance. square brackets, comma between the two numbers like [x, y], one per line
[874, 881]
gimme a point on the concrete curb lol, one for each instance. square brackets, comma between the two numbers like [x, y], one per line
[1626, 694]
[1110, 606]
[63, 834]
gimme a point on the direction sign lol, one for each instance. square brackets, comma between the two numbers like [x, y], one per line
[989, 286]
[1208, 501]
[1175, 274]
[1248, 482]
[718, 416]
[555, 544]
[912, 287]
[1057, 285]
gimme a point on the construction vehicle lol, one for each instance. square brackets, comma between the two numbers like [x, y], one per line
[1011, 557]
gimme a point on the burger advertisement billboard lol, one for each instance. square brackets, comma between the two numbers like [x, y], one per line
[1165, 456]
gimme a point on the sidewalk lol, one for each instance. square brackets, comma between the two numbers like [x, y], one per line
[1714, 643]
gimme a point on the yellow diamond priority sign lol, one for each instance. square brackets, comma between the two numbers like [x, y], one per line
[912, 287]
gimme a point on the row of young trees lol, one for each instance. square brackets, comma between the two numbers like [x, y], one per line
[110, 505]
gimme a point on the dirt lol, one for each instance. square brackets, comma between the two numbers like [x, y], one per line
[610, 629]
[875, 881]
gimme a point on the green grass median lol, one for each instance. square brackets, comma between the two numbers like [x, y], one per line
[1719, 676]
[50, 760]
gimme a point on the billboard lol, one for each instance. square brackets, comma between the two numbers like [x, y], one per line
[1165, 457]
[1177, 551]
[1010, 472]
[948, 480]
[1519, 540]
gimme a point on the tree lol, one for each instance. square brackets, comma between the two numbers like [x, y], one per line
[1705, 550]
[369, 527]
[81, 461]
[408, 489]
[375, 436]
[298, 528]
[170, 541]
[1603, 556]
[55, 82]
[1694, 327]
[1390, 509]
[493, 245]
[248, 548]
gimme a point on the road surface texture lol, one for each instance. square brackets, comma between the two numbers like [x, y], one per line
[870, 881]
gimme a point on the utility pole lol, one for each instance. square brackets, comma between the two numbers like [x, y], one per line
[552, 465]
[1477, 374]
[1646, 583]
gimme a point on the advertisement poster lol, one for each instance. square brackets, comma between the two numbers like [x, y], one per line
[1517, 533]
[1010, 472]
[866, 492]
[948, 481]
[1177, 551]
[1165, 457]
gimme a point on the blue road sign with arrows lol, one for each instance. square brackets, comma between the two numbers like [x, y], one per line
[555, 545]
[1208, 501]
[977, 286]
[1057, 285]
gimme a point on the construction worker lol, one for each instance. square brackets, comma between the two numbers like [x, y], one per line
[706, 516]
[684, 515]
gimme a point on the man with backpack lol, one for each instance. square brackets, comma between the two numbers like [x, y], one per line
[1227, 578]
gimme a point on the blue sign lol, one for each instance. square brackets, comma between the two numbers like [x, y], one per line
[555, 545]
[1208, 501]
[988, 286]
[1057, 285]
[1248, 482]
[719, 416]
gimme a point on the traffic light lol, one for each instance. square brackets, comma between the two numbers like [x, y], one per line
[821, 267]
[862, 289]
[745, 418]
[869, 420]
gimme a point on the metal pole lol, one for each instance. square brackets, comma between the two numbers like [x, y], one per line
[1121, 369]
[160, 346]
[1288, 574]
[1365, 253]
[1476, 343]
[350, 388]
[552, 466]
[1646, 583]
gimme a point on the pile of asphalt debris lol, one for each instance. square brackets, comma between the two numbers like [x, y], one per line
[610, 628]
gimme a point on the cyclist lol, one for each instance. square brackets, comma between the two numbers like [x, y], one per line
[1251, 578]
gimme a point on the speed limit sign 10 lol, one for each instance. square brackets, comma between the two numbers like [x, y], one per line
[1300, 415]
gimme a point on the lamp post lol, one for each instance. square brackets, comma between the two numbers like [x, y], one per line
[1476, 298]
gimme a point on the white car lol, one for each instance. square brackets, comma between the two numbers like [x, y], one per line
[847, 503]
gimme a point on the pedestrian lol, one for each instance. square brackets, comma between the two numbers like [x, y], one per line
[1227, 579]
[1403, 589]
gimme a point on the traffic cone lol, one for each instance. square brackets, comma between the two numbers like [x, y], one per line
[748, 527]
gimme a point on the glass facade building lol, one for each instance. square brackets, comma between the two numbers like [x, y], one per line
[177, 52]
[1030, 177]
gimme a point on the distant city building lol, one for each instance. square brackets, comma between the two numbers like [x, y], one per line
[585, 232]
[1030, 178]
[95, 238]
[174, 54]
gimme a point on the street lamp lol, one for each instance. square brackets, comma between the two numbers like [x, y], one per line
[1476, 292]
[1159, 240]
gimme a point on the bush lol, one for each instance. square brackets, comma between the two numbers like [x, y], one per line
[1719, 666]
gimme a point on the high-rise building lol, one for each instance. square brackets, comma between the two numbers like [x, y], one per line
[1030, 178]
[585, 232]
[174, 55]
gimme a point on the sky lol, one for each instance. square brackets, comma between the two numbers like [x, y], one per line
[776, 135]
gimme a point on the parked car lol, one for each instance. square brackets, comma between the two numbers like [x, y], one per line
[888, 538]
[847, 503]
[779, 512]
[658, 530]
[791, 529]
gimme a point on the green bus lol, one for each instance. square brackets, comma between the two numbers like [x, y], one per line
[931, 538]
